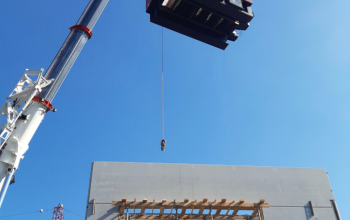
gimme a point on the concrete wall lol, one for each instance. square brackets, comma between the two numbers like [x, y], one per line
[287, 190]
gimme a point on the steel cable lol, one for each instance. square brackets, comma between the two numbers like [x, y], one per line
[26, 213]
[162, 84]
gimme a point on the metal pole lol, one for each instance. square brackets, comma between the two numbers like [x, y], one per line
[176, 215]
[5, 186]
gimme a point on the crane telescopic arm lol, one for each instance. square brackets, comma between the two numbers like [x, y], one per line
[211, 21]
[27, 105]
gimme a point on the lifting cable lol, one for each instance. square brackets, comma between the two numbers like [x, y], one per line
[73, 212]
[162, 142]
[42, 210]
[26, 213]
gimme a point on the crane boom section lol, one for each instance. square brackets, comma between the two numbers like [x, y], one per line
[72, 47]
[26, 107]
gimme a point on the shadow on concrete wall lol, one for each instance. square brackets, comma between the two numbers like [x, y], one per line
[308, 213]
[103, 212]
[108, 215]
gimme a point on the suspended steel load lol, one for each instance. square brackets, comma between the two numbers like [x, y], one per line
[210, 21]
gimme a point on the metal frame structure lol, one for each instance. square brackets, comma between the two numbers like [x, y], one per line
[58, 212]
[211, 21]
[23, 93]
[205, 209]
[23, 112]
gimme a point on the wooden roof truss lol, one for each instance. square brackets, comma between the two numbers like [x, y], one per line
[190, 209]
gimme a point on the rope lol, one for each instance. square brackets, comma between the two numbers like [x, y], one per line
[162, 84]
[73, 212]
[26, 213]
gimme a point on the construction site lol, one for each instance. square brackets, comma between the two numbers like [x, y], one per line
[174, 110]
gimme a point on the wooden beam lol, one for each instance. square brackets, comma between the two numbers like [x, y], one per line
[223, 201]
[187, 204]
[192, 207]
[183, 211]
[171, 210]
[229, 209]
[237, 208]
[134, 202]
[235, 212]
[255, 212]
[186, 216]
[201, 209]
[167, 205]
[122, 206]
[161, 211]
[143, 206]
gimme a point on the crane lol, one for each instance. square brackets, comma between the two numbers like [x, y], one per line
[211, 21]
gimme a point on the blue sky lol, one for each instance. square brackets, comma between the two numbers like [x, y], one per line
[278, 96]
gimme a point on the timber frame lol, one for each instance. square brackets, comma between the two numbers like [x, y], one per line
[185, 210]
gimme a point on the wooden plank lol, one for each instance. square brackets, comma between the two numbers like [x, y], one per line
[235, 212]
[192, 207]
[218, 211]
[143, 207]
[187, 204]
[161, 211]
[171, 210]
[196, 205]
[237, 208]
[229, 209]
[255, 212]
[201, 209]
[245, 206]
[186, 217]
[121, 210]
[183, 211]
[223, 201]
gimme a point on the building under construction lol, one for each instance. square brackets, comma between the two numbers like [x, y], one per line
[185, 191]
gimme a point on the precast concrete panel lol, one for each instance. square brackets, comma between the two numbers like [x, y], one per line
[287, 190]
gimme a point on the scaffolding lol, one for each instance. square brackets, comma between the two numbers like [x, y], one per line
[206, 210]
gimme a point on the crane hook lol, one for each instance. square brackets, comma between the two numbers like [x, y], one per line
[162, 144]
